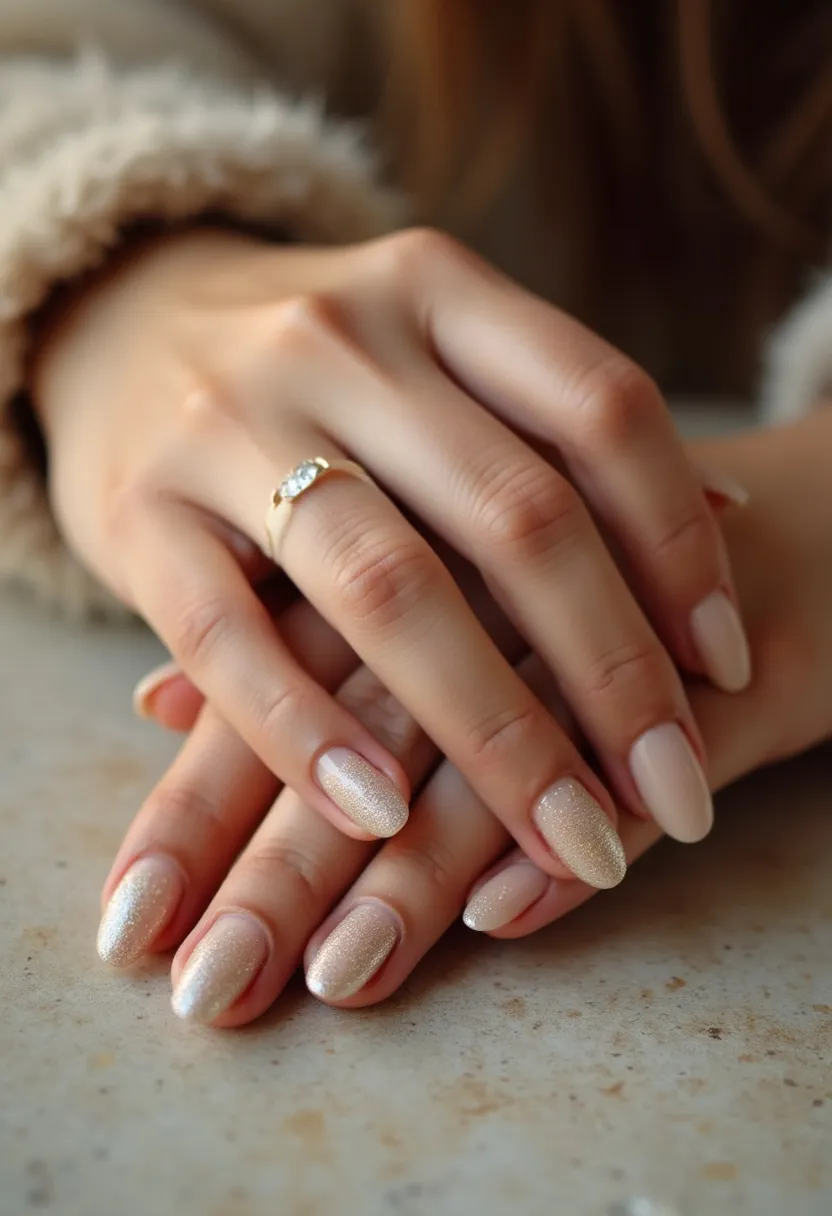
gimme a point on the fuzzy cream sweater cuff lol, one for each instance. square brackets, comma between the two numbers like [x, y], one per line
[87, 150]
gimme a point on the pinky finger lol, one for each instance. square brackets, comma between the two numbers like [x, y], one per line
[515, 898]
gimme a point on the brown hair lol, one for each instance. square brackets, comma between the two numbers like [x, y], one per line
[742, 92]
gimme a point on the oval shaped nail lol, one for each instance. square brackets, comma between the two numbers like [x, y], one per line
[362, 792]
[353, 952]
[579, 831]
[222, 966]
[721, 641]
[505, 896]
[139, 909]
[672, 784]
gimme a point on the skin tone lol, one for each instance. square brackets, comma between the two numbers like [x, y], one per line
[272, 907]
[178, 390]
[164, 448]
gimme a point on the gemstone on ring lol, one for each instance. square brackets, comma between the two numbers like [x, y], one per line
[301, 478]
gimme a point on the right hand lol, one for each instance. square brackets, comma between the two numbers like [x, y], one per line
[179, 390]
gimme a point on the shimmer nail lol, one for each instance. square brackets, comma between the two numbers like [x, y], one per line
[720, 485]
[504, 897]
[576, 828]
[149, 685]
[721, 641]
[672, 784]
[221, 967]
[367, 796]
[139, 909]
[353, 952]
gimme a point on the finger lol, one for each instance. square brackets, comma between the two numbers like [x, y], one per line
[415, 886]
[546, 373]
[199, 817]
[527, 529]
[191, 590]
[406, 898]
[515, 898]
[252, 935]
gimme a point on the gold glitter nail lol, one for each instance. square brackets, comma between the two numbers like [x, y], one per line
[140, 907]
[369, 797]
[353, 952]
[503, 897]
[221, 968]
[577, 829]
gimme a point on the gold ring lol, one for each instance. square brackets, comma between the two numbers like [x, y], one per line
[294, 485]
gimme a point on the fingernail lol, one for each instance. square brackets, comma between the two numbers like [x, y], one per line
[369, 797]
[149, 685]
[353, 952]
[221, 967]
[723, 646]
[672, 784]
[722, 486]
[501, 900]
[139, 908]
[580, 832]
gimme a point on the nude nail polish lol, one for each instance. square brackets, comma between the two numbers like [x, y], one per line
[221, 967]
[721, 641]
[504, 897]
[671, 783]
[720, 485]
[139, 909]
[354, 951]
[579, 831]
[367, 796]
[149, 685]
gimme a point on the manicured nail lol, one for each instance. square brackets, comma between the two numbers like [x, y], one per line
[504, 896]
[723, 646]
[139, 908]
[672, 784]
[369, 797]
[149, 685]
[720, 485]
[576, 828]
[353, 952]
[221, 967]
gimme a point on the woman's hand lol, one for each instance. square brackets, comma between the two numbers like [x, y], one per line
[270, 903]
[180, 389]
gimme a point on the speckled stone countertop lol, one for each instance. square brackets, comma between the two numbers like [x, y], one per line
[668, 1049]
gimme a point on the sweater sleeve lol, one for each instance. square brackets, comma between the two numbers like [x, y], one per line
[88, 148]
[798, 357]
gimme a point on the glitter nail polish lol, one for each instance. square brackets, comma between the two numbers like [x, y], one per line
[139, 908]
[504, 896]
[221, 967]
[577, 829]
[354, 951]
[369, 797]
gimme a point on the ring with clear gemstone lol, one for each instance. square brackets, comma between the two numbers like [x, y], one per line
[302, 477]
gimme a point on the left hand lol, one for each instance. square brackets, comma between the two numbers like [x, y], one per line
[295, 866]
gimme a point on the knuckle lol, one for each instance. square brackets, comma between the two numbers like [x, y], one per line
[280, 865]
[496, 736]
[527, 507]
[686, 542]
[300, 325]
[616, 402]
[180, 801]
[199, 628]
[414, 250]
[287, 705]
[382, 713]
[432, 868]
[379, 581]
[625, 671]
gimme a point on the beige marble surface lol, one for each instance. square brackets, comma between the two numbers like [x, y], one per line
[672, 1042]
